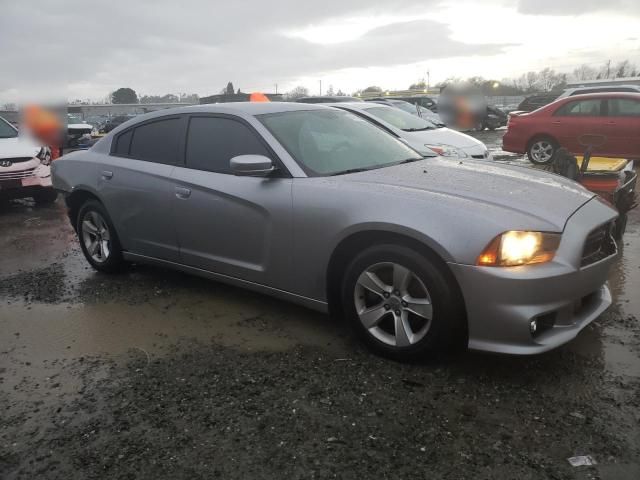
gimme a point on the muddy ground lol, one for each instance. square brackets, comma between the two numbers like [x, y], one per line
[155, 374]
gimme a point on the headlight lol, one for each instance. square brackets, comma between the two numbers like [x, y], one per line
[520, 248]
[446, 150]
[44, 155]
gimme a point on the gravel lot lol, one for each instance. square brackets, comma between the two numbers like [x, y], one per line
[155, 374]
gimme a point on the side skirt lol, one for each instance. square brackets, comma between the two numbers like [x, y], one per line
[237, 282]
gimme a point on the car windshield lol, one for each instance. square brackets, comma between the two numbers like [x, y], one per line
[74, 119]
[331, 142]
[400, 119]
[6, 130]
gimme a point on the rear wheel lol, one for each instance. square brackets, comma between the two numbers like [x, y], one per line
[541, 150]
[401, 303]
[98, 238]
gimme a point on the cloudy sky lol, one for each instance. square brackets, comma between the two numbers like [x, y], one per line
[78, 49]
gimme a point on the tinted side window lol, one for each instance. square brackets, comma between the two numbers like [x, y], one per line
[581, 108]
[157, 141]
[623, 107]
[122, 143]
[212, 142]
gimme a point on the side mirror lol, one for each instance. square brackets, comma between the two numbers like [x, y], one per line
[251, 165]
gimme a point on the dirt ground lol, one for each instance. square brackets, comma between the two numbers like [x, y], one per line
[154, 374]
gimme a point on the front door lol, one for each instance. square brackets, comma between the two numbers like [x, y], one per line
[233, 225]
[577, 118]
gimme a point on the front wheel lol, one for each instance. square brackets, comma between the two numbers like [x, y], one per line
[541, 151]
[401, 303]
[98, 238]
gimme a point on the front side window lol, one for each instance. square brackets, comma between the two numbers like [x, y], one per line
[624, 107]
[326, 142]
[580, 108]
[156, 141]
[213, 141]
[400, 119]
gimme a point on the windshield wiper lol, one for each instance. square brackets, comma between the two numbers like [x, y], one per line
[409, 160]
[351, 170]
[417, 129]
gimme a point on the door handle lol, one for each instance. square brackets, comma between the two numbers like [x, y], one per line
[107, 175]
[182, 192]
[556, 122]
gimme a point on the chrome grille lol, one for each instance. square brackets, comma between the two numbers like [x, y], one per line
[16, 159]
[17, 175]
[598, 245]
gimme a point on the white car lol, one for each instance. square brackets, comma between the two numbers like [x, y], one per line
[419, 133]
[25, 169]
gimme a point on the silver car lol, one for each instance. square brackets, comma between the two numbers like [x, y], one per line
[318, 206]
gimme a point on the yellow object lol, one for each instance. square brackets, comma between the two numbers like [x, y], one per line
[604, 164]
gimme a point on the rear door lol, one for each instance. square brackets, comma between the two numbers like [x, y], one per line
[137, 189]
[233, 225]
[623, 122]
[576, 118]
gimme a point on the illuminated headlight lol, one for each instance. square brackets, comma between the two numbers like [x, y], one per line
[446, 150]
[514, 248]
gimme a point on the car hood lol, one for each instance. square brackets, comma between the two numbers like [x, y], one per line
[549, 197]
[444, 136]
[19, 146]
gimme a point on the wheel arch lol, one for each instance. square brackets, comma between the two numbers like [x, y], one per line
[78, 197]
[540, 135]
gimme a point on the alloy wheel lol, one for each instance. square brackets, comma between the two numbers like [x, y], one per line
[542, 151]
[393, 304]
[96, 236]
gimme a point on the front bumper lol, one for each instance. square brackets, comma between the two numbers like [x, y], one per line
[24, 176]
[502, 302]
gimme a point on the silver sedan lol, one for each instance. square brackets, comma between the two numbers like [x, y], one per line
[320, 207]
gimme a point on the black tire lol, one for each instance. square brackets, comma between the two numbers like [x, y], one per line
[448, 322]
[114, 261]
[45, 196]
[533, 158]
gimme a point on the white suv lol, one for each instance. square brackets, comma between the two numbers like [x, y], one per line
[24, 167]
[570, 92]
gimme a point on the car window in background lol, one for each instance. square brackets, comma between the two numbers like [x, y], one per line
[157, 141]
[326, 142]
[580, 108]
[212, 142]
[624, 107]
[123, 142]
[6, 130]
[400, 119]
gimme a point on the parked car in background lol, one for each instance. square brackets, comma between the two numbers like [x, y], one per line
[561, 123]
[77, 131]
[114, 122]
[537, 100]
[419, 133]
[413, 109]
[24, 166]
[320, 207]
[328, 99]
[495, 118]
[422, 100]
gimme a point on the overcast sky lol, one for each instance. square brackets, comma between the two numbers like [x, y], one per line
[78, 49]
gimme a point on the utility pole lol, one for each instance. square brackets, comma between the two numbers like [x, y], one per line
[276, 88]
[428, 80]
[320, 87]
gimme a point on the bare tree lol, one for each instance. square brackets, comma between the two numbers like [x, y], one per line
[297, 92]
[585, 72]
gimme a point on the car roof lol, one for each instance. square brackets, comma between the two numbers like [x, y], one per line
[631, 95]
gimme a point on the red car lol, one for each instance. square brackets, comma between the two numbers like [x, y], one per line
[561, 123]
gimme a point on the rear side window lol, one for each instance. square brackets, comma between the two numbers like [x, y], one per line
[623, 107]
[580, 108]
[213, 141]
[157, 141]
[123, 142]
